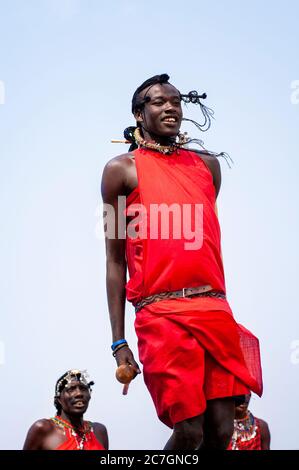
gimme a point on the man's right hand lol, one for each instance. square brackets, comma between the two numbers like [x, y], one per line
[125, 356]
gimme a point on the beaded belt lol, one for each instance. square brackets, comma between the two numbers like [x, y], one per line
[200, 291]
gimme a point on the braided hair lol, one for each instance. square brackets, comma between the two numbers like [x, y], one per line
[191, 97]
[59, 386]
[137, 102]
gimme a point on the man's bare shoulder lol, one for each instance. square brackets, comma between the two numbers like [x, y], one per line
[208, 157]
[115, 176]
[120, 161]
[101, 427]
[37, 433]
[42, 426]
[263, 424]
[265, 434]
[101, 433]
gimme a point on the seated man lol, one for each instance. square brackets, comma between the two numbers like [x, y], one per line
[67, 430]
[250, 433]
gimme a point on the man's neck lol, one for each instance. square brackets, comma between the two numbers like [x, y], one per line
[242, 415]
[158, 139]
[76, 421]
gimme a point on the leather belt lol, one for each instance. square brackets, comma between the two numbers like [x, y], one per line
[200, 291]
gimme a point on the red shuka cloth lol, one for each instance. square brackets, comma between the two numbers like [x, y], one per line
[255, 443]
[91, 442]
[192, 349]
[180, 179]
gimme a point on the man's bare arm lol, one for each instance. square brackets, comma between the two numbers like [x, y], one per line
[265, 435]
[36, 434]
[113, 186]
[101, 434]
[215, 168]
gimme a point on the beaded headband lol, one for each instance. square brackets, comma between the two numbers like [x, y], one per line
[71, 376]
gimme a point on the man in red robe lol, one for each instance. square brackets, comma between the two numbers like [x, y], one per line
[67, 430]
[195, 357]
[250, 433]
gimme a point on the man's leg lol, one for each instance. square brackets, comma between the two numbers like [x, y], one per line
[187, 434]
[219, 423]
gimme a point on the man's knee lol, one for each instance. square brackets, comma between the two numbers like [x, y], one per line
[189, 433]
[220, 436]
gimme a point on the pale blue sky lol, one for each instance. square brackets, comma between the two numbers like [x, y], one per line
[69, 69]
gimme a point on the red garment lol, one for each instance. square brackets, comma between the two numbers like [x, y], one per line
[192, 350]
[180, 178]
[71, 443]
[247, 440]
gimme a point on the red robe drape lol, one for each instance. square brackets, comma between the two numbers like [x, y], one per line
[192, 349]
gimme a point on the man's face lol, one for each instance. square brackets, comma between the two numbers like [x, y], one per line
[241, 409]
[162, 115]
[74, 398]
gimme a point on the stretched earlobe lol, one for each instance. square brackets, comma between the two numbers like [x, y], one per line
[138, 116]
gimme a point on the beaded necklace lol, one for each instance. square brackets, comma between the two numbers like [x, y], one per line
[165, 149]
[78, 434]
[244, 430]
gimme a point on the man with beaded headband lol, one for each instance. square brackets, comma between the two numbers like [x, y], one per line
[67, 430]
[196, 358]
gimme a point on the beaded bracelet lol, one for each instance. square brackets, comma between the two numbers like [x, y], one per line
[121, 346]
[117, 343]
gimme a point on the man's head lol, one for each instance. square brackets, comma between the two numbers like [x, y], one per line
[241, 409]
[72, 393]
[156, 105]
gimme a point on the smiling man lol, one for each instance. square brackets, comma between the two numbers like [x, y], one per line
[195, 357]
[67, 430]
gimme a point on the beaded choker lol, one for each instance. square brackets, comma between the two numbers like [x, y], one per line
[165, 149]
[245, 429]
[79, 434]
